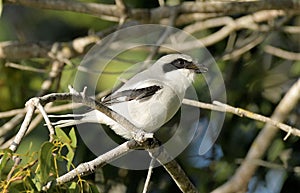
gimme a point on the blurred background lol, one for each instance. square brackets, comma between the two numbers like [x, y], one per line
[256, 51]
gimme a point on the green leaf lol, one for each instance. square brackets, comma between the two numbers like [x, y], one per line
[31, 183]
[5, 155]
[73, 188]
[37, 183]
[93, 188]
[70, 156]
[62, 136]
[13, 190]
[45, 162]
[73, 138]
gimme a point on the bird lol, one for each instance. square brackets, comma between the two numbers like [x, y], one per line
[148, 100]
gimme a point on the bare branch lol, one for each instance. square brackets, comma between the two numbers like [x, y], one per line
[218, 106]
[30, 107]
[244, 173]
[16, 50]
[25, 68]
[12, 123]
[287, 55]
[149, 174]
[240, 6]
[241, 50]
[291, 29]
[37, 119]
[263, 163]
[174, 169]
[155, 14]
[246, 22]
[47, 120]
[62, 50]
[94, 9]
[123, 9]
[188, 18]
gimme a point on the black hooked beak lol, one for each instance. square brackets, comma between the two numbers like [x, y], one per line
[198, 68]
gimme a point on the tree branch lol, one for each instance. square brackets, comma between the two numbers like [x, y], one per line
[16, 50]
[259, 146]
[156, 14]
[287, 55]
[89, 167]
[218, 106]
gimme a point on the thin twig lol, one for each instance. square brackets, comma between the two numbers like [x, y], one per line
[174, 170]
[150, 170]
[25, 68]
[12, 123]
[33, 124]
[287, 55]
[47, 120]
[54, 74]
[241, 50]
[231, 26]
[218, 106]
[263, 163]
[123, 9]
[11, 113]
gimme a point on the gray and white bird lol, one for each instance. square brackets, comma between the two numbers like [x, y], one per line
[149, 99]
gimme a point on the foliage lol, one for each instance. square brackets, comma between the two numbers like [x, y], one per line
[49, 162]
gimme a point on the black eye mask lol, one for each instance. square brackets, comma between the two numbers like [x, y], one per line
[181, 63]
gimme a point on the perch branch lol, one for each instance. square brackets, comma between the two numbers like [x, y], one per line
[139, 136]
[172, 167]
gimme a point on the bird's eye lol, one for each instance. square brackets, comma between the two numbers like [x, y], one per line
[179, 63]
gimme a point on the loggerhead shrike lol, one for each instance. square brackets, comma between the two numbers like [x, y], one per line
[149, 99]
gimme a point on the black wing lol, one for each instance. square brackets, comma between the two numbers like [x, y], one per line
[134, 94]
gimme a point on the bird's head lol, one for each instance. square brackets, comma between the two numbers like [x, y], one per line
[173, 63]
